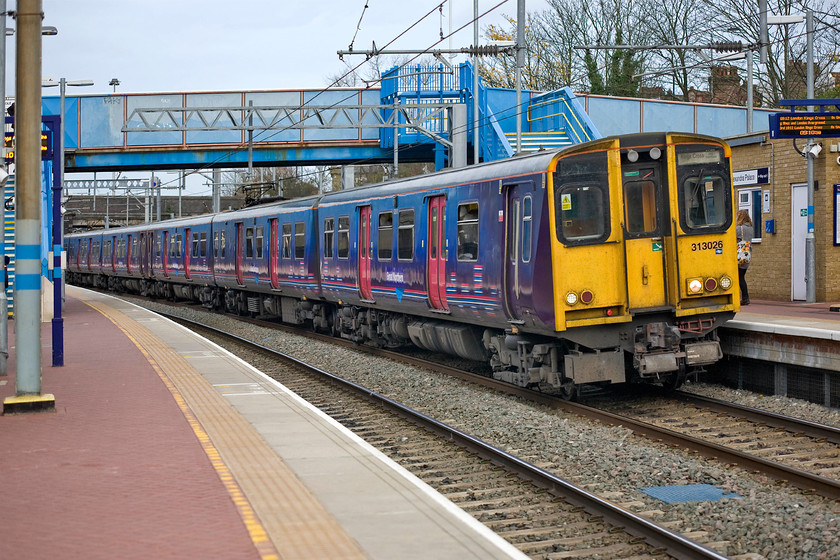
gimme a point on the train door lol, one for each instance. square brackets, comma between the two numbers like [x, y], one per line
[365, 288]
[436, 253]
[129, 254]
[519, 249]
[238, 251]
[113, 255]
[644, 242]
[146, 248]
[274, 254]
[190, 245]
[165, 249]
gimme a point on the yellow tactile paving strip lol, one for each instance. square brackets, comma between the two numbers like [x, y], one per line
[284, 519]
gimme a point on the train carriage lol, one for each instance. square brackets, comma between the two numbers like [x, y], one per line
[604, 262]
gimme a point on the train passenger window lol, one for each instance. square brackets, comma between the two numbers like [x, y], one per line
[249, 242]
[287, 241]
[329, 235]
[343, 237]
[300, 240]
[405, 235]
[258, 244]
[527, 219]
[582, 212]
[513, 239]
[195, 245]
[178, 245]
[222, 243]
[157, 244]
[640, 206]
[386, 236]
[468, 232]
[216, 244]
[202, 249]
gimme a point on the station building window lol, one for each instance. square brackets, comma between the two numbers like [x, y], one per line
[749, 199]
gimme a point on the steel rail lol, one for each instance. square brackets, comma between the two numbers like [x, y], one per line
[675, 544]
[789, 423]
[808, 482]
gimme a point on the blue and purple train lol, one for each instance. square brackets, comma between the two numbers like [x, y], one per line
[606, 262]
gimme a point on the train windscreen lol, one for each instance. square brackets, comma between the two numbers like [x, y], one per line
[705, 190]
[581, 199]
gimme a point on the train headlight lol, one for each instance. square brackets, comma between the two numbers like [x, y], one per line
[571, 298]
[725, 282]
[695, 286]
[710, 284]
[655, 153]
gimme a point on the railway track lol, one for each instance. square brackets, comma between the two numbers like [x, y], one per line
[540, 513]
[790, 450]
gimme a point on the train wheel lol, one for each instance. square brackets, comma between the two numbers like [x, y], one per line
[569, 391]
[676, 379]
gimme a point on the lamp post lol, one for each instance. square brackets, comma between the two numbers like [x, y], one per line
[810, 153]
[114, 82]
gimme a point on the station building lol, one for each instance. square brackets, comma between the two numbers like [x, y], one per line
[770, 182]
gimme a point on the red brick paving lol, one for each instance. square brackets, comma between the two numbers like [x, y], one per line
[115, 471]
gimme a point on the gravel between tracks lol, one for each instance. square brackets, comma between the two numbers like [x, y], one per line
[773, 522]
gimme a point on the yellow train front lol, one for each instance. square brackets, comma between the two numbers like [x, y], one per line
[644, 263]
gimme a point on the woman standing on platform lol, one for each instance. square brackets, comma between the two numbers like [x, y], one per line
[745, 233]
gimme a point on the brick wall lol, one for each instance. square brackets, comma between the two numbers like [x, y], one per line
[769, 275]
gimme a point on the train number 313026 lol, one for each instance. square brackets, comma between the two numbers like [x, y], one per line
[704, 245]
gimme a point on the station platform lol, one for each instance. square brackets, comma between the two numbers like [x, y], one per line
[785, 348]
[163, 445]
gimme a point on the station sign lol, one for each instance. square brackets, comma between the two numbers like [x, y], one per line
[9, 146]
[760, 176]
[804, 125]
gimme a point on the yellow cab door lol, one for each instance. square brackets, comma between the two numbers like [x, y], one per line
[644, 243]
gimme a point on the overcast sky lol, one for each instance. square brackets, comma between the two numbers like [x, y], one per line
[213, 45]
[224, 45]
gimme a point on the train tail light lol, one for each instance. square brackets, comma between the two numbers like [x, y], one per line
[710, 284]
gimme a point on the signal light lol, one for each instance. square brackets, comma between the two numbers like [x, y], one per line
[711, 284]
[586, 296]
[725, 282]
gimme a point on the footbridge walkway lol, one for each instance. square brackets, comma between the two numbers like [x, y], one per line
[408, 119]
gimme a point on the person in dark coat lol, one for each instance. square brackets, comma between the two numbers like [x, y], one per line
[744, 232]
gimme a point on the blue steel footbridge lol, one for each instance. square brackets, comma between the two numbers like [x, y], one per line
[410, 116]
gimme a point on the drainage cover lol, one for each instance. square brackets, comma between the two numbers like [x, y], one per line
[688, 493]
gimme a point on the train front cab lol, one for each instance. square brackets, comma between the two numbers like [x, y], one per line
[640, 289]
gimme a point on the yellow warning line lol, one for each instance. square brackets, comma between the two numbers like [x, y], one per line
[256, 531]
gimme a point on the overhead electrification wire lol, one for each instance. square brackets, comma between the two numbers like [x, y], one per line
[260, 137]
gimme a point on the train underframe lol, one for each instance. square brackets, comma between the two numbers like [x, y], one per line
[653, 349]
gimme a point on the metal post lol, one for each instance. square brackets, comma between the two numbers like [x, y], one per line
[4, 300]
[520, 62]
[28, 201]
[57, 241]
[810, 239]
[476, 136]
[458, 135]
[749, 90]
[251, 140]
[396, 136]
[158, 196]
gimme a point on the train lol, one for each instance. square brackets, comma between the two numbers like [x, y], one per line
[607, 262]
